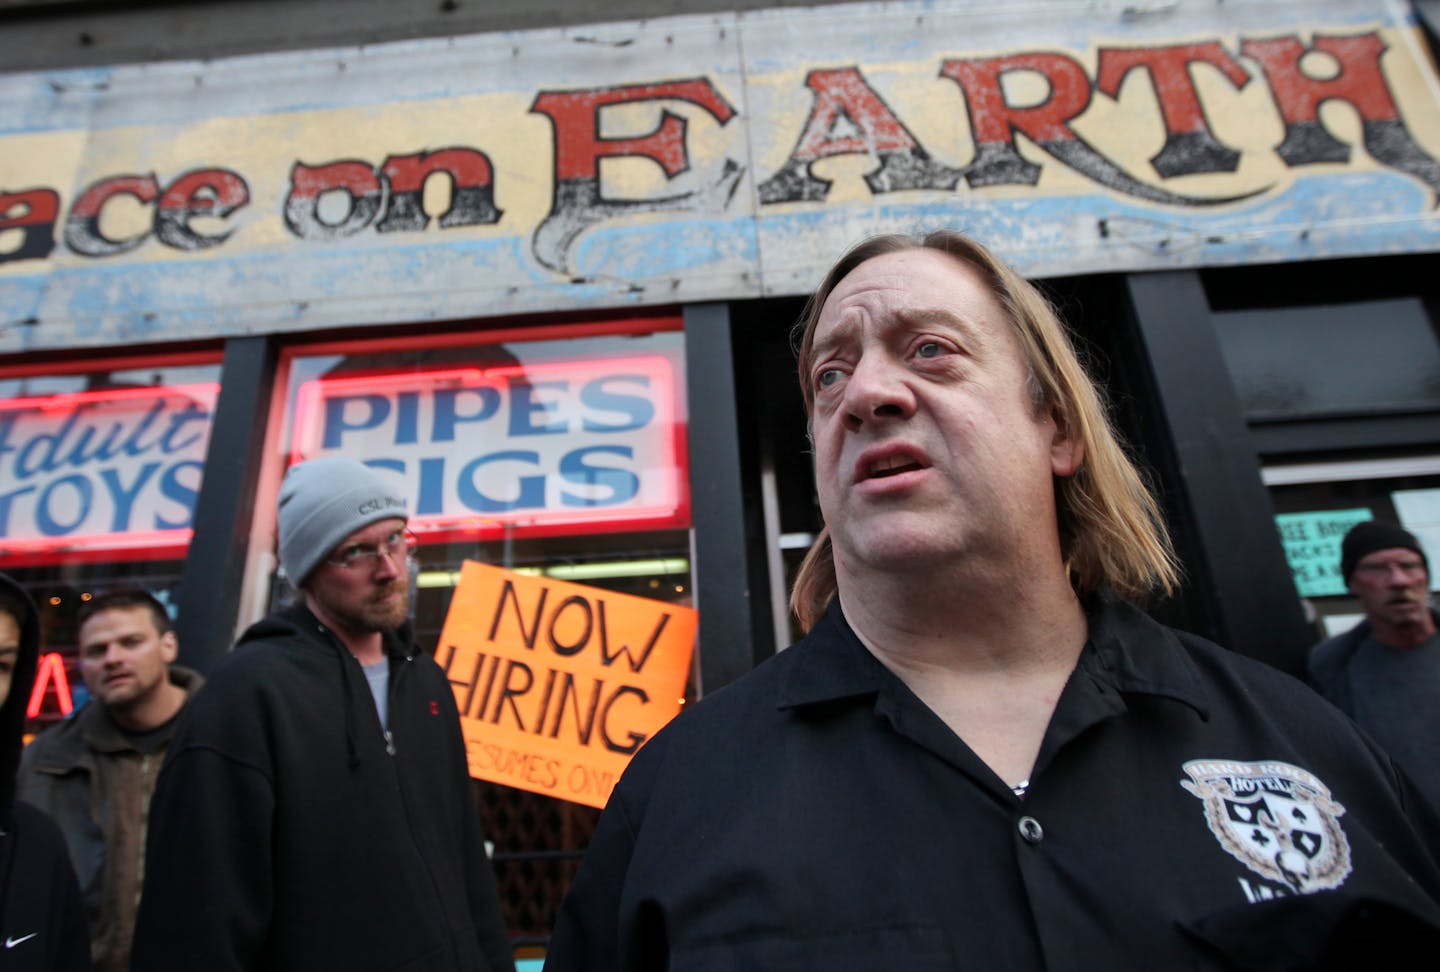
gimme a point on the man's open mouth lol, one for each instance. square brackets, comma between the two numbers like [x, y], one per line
[891, 466]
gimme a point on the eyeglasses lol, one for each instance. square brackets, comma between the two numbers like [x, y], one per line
[367, 556]
[1406, 567]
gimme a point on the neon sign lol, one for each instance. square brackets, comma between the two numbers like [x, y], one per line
[109, 474]
[562, 447]
[50, 669]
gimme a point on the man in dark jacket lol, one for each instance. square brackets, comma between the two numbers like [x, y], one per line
[979, 757]
[94, 774]
[42, 919]
[1385, 672]
[314, 810]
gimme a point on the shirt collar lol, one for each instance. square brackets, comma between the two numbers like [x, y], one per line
[1127, 649]
[1137, 655]
[831, 664]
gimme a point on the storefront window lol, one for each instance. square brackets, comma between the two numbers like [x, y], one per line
[99, 472]
[559, 451]
[1316, 504]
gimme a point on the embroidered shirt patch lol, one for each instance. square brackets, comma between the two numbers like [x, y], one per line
[1277, 819]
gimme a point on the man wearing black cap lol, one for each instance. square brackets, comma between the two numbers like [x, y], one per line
[1385, 671]
[315, 811]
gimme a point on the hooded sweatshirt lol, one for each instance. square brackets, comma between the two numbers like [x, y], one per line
[42, 919]
[290, 830]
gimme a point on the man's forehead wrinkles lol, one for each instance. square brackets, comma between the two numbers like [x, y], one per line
[839, 328]
[936, 315]
[881, 280]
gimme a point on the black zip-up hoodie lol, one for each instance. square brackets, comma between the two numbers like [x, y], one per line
[290, 831]
[42, 919]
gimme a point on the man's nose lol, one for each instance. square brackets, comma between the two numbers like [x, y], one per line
[876, 389]
[389, 563]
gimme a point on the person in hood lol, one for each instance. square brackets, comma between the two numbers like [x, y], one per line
[315, 809]
[42, 918]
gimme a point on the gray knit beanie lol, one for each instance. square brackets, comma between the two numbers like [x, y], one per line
[323, 501]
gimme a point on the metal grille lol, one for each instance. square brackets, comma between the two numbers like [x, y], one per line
[538, 844]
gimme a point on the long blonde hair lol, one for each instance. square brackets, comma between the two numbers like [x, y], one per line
[1111, 531]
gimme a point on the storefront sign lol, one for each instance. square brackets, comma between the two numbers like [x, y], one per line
[559, 684]
[710, 157]
[1419, 512]
[1312, 546]
[563, 447]
[104, 474]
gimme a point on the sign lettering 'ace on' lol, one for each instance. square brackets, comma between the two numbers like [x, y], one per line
[559, 684]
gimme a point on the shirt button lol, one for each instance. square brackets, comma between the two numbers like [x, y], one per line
[1031, 830]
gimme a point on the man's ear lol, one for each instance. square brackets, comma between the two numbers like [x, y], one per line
[169, 647]
[1067, 452]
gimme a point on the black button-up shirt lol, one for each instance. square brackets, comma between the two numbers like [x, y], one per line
[1189, 809]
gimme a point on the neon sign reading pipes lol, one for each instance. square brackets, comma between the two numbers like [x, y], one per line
[561, 447]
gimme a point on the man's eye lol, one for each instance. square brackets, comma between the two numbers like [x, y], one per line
[827, 377]
[929, 349]
[351, 554]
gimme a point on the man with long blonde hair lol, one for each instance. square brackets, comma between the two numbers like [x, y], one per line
[982, 754]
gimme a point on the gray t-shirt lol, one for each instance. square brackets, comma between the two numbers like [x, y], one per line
[1397, 701]
[378, 675]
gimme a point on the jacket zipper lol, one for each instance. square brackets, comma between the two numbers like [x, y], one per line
[390, 696]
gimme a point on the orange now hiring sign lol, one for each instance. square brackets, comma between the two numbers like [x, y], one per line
[559, 684]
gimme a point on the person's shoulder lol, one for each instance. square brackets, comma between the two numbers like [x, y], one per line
[712, 738]
[1236, 682]
[753, 693]
[252, 663]
[1218, 676]
[38, 833]
[63, 741]
[187, 679]
[268, 660]
[1216, 662]
[1326, 658]
[724, 724]
[232, 713]
[273, 642]
[284, 626]
[62, 734]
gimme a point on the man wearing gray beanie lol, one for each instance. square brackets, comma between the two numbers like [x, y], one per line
[1385, 671]
[315, 809]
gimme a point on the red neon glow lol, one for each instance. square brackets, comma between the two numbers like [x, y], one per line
[549, 331]
[52, 667]
[103, 546]
[670, 509]
[69, 401]
[96, 547]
